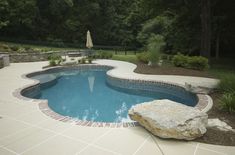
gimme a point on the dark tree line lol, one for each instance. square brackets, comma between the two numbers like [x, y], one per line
[203, 27]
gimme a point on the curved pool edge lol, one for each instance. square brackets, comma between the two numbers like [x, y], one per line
[204, 101]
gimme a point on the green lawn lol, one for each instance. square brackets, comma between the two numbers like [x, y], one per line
[129, 58]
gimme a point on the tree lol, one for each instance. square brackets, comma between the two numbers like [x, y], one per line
[206, 28]
[3, 12]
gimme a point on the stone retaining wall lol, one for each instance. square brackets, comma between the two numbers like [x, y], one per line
[4, 60]
[32, 57]
[1, 62]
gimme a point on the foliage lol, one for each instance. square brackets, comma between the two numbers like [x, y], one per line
[54, 57]
[155, 44]
[52, 62]
[227, 82]
[156, 26]
[198, 63]
[14, 48]
[4, 5]
[103, 55]
[180, 60]
[193, 62]
[83, 61]
[4, 48]
[227, 101]
[143, 57]
[167, 57]
[117, 22]
[90, 60]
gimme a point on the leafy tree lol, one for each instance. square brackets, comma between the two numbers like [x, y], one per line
[3, 12]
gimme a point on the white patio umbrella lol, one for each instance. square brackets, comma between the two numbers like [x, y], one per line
[89, 43]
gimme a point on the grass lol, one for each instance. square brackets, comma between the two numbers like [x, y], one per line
[129, 58]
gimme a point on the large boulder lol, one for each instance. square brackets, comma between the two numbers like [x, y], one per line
[168, 119]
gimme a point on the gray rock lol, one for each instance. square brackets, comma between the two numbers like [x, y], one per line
[169, 119]
[197, 89]
[216, 123]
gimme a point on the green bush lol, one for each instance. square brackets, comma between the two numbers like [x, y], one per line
[143, 57]
[83, 61]
[52, 62]
[227, 82]
[29, 49]
[103, 55]
[106, 55]
[198, 63]
[194, 62]
[4, 46]
[180, 60]
[54, 57]
[227, 101]
[14, 48]
[155, 44]
[90, 60]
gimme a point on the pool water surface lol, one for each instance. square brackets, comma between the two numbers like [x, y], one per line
[86, 95]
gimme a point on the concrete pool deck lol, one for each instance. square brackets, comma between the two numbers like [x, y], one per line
[24, 129]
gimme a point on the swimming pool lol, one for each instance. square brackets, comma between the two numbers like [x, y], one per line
[89, 94]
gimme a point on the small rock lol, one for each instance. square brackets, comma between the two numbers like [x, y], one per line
[216, 123]
[169, 119]
[197, 89]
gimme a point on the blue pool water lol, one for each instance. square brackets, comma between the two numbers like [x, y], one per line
[86, 95]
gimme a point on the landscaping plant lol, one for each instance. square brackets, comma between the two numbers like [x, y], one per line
[54, 60]
[191, 62]
[227, 82]
[143, 57]
[227, 101]
[154, 48]
[227, 86]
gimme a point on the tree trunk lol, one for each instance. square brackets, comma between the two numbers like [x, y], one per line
[217, 46]
[206, 28]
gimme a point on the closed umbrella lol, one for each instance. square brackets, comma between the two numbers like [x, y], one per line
[89, 43]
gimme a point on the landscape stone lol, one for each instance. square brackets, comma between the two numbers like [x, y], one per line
[169, 119]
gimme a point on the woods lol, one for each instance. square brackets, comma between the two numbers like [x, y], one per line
[202, 27]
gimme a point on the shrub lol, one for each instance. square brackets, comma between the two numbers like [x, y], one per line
[180, 60]
[154, 48]
[90, 60]
[83, 60]
[143, 57]
[28, 48]
[4, 46]
[52, 62]
[227, 101]
[54, 57]
[227, 82]
[14, 48]
[106, 55]
[103, 55]
[194, 62]
[198, 63]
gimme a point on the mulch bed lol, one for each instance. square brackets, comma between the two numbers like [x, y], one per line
[169, 70]
[212, 136]
[215, 136]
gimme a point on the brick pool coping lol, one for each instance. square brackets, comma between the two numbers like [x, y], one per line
[204, 101]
